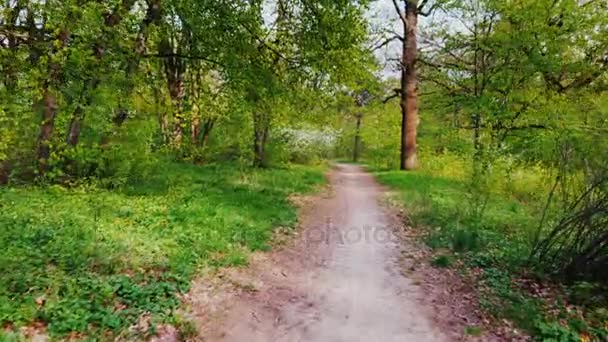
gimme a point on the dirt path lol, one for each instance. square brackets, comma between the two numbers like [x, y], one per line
[339, 281]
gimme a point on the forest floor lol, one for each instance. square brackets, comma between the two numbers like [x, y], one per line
[353, 272]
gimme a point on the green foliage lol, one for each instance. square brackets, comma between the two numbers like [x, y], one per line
[90, 90]
[91, 260]
[464, 240]
[473, 331]
[442, 261]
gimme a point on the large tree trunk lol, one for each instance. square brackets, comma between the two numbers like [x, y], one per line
[409, 89]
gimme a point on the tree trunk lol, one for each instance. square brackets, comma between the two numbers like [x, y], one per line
[409, 89]
[260, 137]
[174, 74]
[49, 107]
[164, 127]
[174, 71]
[75, 126]
[5, 172]
[204, 135]
[199, 134]
[195, 129]
[178, 123]
[49, 112]
[357, 147]
[78, 116]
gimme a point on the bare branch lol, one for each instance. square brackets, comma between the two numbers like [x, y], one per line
[399, 12]
[429, 11]
[386, 42]
[422, 4]
[397, 93]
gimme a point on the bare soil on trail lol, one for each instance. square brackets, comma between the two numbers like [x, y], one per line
[341, 278]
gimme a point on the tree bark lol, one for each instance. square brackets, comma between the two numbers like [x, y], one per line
[409, 88]
[204, 135]
[49, 112]
[75, 126]
[195, 130]
[49, 106]
[261, 128]
[174, 72]
[357, 146]
[5, 172]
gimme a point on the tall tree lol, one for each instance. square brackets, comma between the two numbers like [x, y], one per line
[408, 12]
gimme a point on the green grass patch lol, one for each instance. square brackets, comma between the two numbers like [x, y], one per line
[442, 261]
[473, 331]
[92, 261]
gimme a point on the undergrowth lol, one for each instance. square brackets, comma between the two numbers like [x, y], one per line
[90, 261]
[439, 200]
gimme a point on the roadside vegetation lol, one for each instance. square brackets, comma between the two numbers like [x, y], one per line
[92, 261]
[494, 237]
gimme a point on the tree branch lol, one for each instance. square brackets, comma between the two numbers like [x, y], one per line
[422, 4]
[429, 11]
[397, 93]
[399, 12]
[386, 42]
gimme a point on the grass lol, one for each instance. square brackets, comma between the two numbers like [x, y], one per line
[91, 261]
[442, 261]
[496, 240]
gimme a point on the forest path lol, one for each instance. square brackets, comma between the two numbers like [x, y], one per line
[340, 281]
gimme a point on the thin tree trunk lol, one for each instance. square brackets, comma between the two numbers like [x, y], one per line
[357, 147]
[49, 112]
[195, 129]
[49, 108]
[164, 127]
[206, 132]
[5, 172]
[75, 126]
[260, 137]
